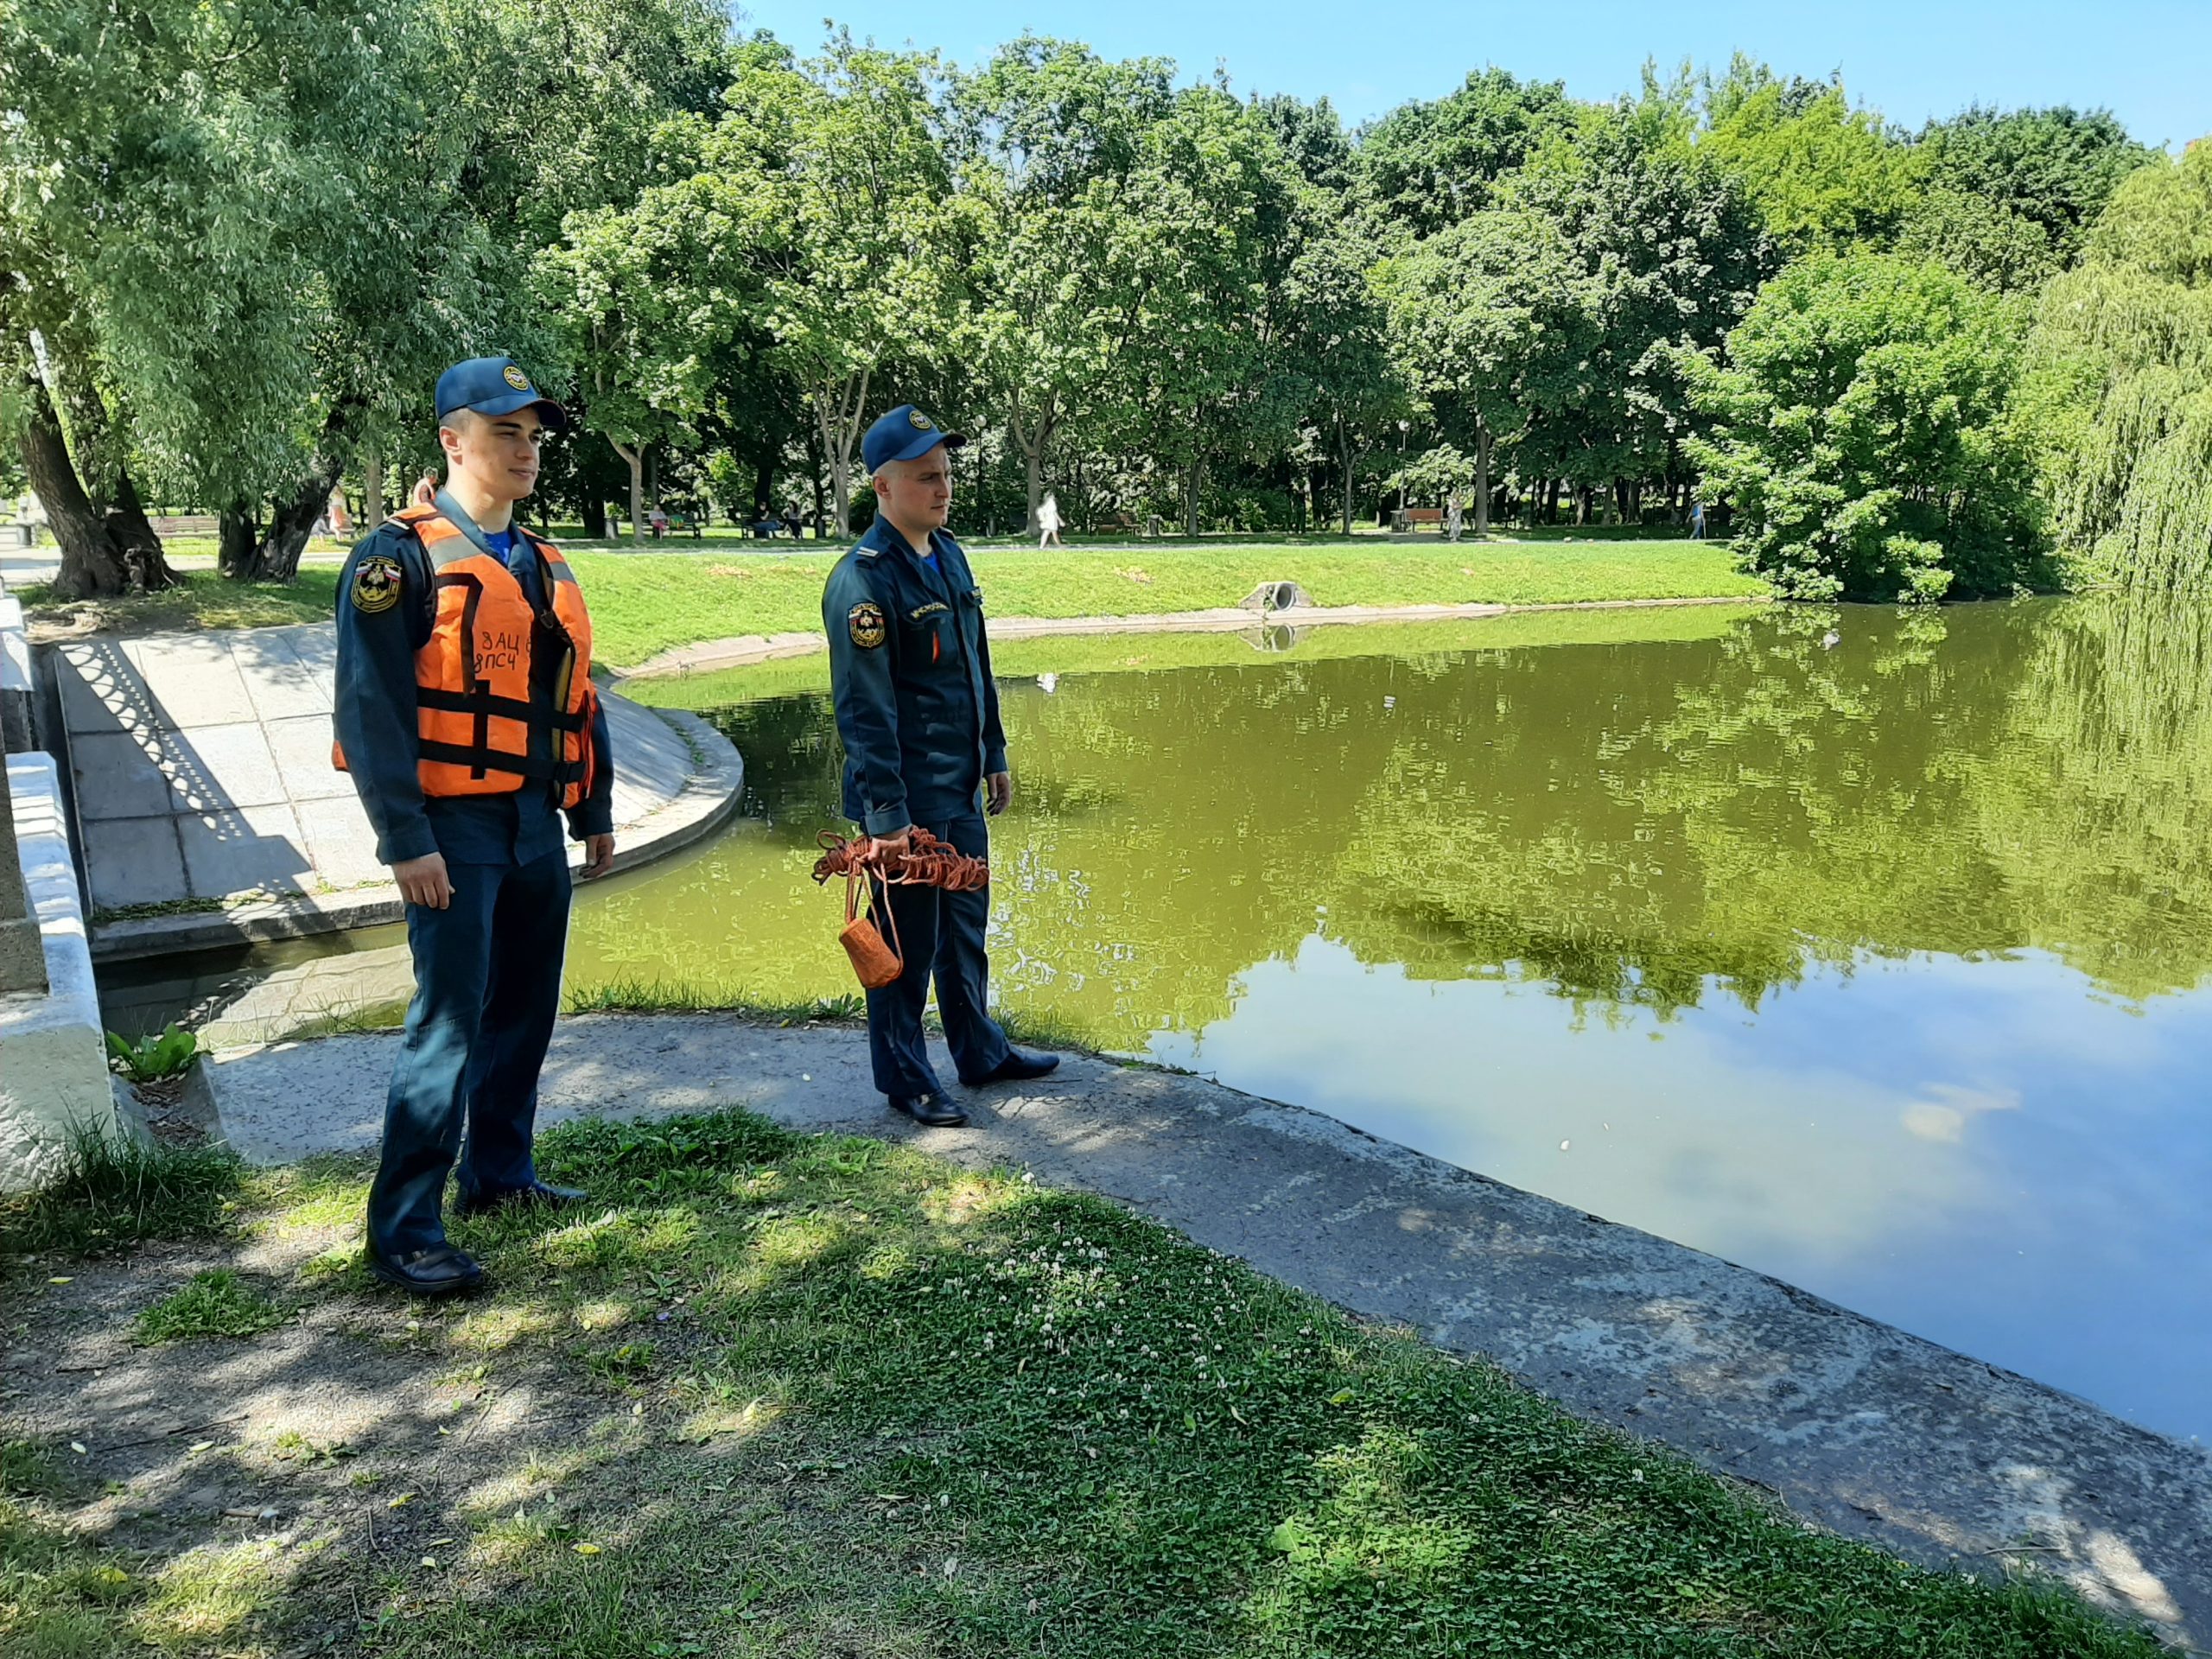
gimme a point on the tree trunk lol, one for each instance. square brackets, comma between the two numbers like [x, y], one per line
[814, 476]
[594, 517]
[97, 455]
[1030, 445]
[636, 460]
[276, 557]
[90, 567]
[145, 566]
[838, 409]
[764, 487]
[371, 487]
[1193, 480]
[1481, 476]
[1344, 448]
[237, 540]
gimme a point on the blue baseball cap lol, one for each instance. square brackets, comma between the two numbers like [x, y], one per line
[903, 434]
[496, 386]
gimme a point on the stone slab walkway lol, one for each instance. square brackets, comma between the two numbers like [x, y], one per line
[1860, 1427]
[739, 649]
[203, 785]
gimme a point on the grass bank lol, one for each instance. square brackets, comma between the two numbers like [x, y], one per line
[1262, 648]
[645, 603]
[771, 1394]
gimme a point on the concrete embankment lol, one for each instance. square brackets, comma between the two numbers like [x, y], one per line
[210, 813]
[1862, 1428]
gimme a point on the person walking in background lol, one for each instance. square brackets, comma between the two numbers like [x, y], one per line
[426, 489]
[466, 715]
[1048, 522]
[1452, 519]
[1697, 521]
[910, 674]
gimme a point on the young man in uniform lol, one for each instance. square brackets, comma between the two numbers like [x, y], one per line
[466, 717]
[910, 670]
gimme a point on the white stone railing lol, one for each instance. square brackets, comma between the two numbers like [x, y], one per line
[53, 1074]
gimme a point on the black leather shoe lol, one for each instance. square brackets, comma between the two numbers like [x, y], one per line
[1017, 1067]
[930, 1110]
[441, 1270]
[537, 1195]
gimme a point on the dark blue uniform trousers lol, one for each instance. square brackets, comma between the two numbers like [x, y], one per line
[940, 936]
[487, 984]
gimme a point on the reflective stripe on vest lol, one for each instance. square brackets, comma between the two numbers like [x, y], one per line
[479, 731]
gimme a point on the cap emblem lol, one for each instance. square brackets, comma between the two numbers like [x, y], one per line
[516, 378]
[921, 421]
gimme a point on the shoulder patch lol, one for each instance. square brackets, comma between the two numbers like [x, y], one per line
[864, 623]
[375, 582]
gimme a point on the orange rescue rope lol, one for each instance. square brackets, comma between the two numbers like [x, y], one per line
[929, 863]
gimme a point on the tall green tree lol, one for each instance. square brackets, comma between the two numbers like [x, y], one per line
[2008, 196]
[1050, 140]
[1425, 166]
[1821, 173]
[1866, 434]
[2123, 346]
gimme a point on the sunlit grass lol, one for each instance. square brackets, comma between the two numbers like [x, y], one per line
[828, 1395]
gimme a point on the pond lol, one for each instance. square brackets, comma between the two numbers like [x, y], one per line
[1867, 948]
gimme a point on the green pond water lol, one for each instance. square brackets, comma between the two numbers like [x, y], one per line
[1867, 948]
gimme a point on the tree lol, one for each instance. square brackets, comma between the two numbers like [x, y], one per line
[2050, 169]
[1337, 336]
[1485, 318]
[1425, 166]
[859, 275]
[2123, 349]
[1821, 173]
[1865, 432]
[1052, 138]
[1668, 250]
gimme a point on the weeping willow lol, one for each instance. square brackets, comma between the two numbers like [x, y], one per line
[2131, 485]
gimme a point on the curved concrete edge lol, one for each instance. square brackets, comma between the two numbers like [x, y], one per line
[53, 1076]
[742, 651]
[707, 801]
[1860, 1427]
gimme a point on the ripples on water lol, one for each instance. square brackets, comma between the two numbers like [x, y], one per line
[1877, 965]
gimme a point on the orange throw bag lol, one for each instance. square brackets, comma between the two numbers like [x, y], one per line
[877, 965]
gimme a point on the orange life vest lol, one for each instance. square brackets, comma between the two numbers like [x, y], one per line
[479, 731]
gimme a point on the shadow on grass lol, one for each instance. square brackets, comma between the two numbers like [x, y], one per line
[769, 1393]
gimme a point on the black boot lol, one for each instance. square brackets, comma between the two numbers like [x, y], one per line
[1017, 1067]
[931, 1110]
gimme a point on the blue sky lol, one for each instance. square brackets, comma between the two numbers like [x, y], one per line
[2148, 60]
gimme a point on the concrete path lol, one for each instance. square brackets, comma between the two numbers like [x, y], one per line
[1860, 1427]
[203, 784]
[741, 649]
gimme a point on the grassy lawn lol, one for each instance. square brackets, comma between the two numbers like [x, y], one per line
[203, 600]
[645, 603]
[771, 1394]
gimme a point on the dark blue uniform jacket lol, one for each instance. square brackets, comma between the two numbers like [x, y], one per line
[910, 671]
[376, 722]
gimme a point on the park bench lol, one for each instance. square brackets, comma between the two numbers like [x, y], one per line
[1405, 520]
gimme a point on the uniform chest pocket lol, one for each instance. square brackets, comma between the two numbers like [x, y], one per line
[926, 636]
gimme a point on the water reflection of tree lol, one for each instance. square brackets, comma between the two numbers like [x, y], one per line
[1632, 825]
[1965, 783]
